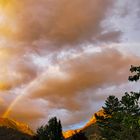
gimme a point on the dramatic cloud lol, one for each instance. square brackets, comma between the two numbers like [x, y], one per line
[15, 69]
[57, 56]
[60, 22]
[64, 85]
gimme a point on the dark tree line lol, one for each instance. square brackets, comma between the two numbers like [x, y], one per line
[51, 131]
[121, 120]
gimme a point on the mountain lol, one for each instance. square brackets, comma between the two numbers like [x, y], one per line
[70, 133]
[13, 134]
[90, 129]
[13, 130]
[21, 127]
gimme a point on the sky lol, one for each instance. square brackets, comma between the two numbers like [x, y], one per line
[64, 58]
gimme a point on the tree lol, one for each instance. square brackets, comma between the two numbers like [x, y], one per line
[136, 76]
[121, 119]
[42, 133]
[112, 105]
[55, 129]
[109, 122]
[51, 131]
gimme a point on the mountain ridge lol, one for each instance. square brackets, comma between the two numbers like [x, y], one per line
[69, 133]
[21, 127]
[90, 129]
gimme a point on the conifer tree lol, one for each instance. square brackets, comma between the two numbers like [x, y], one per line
[51, 131]
[121, 120]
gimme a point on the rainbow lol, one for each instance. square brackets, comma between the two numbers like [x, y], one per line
[23, 94]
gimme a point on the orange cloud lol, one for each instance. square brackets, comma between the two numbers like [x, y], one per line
[61, 82]
[60, 22]
[15, 68]
[65, 88]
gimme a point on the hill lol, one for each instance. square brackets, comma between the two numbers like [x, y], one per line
[22, 127]
[13, 130]
[90, 129]
[13, 134]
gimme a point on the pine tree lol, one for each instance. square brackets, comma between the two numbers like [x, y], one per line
[42, 133]
[55, 129]
[121, 120]
[51, 131]
[112, 105]
[136, 76]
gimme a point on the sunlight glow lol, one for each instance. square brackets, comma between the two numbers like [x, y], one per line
[8, 24]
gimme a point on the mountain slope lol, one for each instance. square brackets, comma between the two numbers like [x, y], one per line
[21, 127]
[13, 134]
[90, 129]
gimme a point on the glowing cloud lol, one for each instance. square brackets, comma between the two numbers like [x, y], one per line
[53, 53]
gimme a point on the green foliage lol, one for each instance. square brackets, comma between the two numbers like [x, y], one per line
[130, 103]
[55, 129]
[42, 133]
[51, 131]
[112, 105]
[136, 71]
[121, 120]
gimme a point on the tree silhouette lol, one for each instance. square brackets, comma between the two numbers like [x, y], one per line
[55, 129]
[136, 71]
[121, 119]
[42, 133]
[51, 131]
[112, 105]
